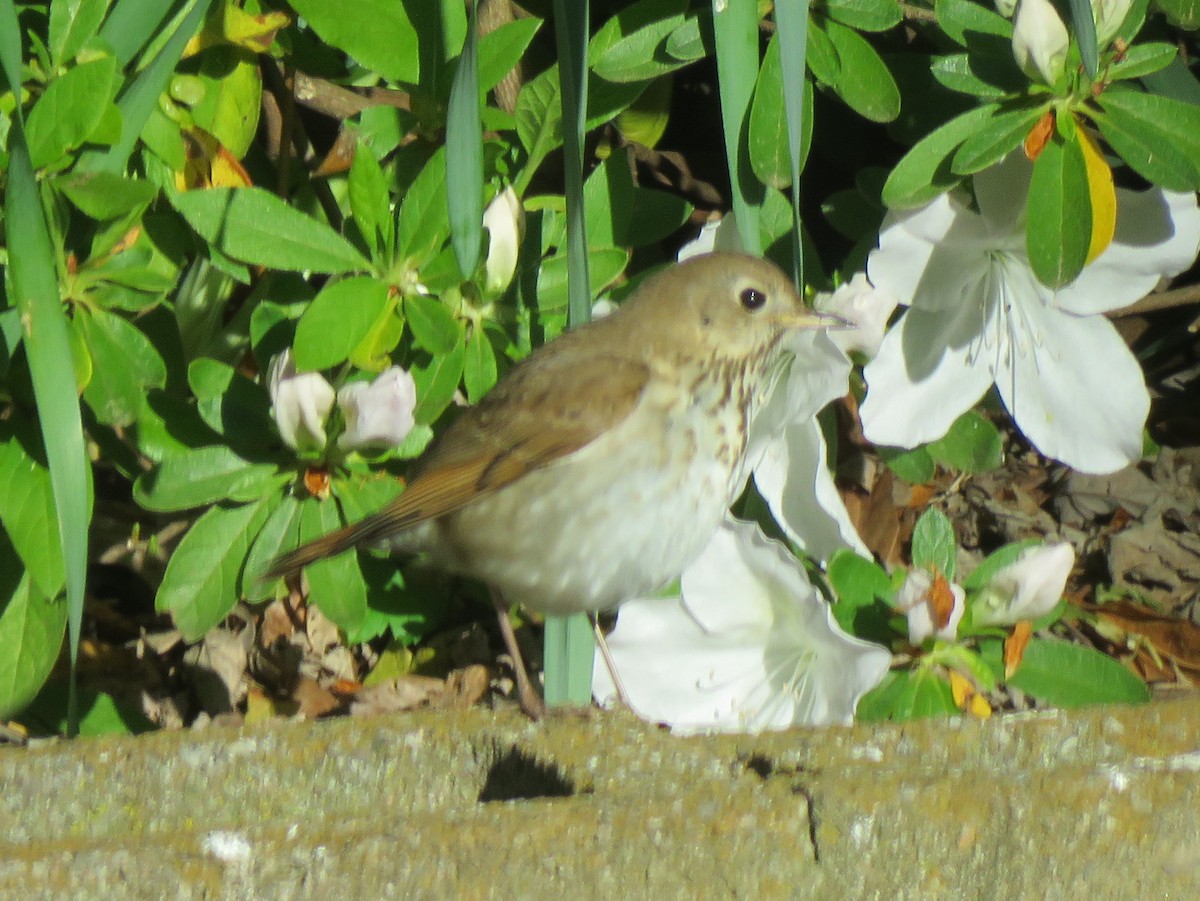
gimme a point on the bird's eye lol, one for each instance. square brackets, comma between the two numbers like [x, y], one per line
[752, 299]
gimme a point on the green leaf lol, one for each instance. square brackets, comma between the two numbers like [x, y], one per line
[232, 97]
[200, 584]
[622, 214]
[280, 533]
[1157, 136]
[337, 320]
[1059, 213]
[423, 223]
[539, 114]
[101, 713]
[464, 157]
[865, 82]
[437, 382]
[963, 20]
[500, 50]
[915, 466]
[1144, 59]
[377, 33]
[434, 327]
[370, 202]
[1071, 675]
[102, 195]
[925, 171]
[973, 444]
[933, 544]
[907, 696]
[605, 265]
[1183, 13]
[335, 584]
[479, 367]
[200, 476]
[865, 15]
[125, 365]
[996, 138]
[985, 77]
[863, 593]
[27, 509]
[139, 99]
[769, 149]
[70, 109]
[31, 634]
[639, 54]
[256, 227]
[72, 24]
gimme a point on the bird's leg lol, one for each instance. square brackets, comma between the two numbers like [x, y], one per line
[531, 702]
[609, 662]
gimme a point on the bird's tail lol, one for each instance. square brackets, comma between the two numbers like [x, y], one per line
[387, 525]
[336, 542]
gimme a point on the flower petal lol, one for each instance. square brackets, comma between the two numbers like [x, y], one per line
[759, 650]
[793, 477]
[1158, 235]
[926, 375]
[1082, 398]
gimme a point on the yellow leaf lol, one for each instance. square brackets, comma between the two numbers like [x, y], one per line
[966, 698]
[1103, 196]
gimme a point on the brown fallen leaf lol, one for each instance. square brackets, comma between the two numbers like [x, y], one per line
[1015, 645]
[1174, 641]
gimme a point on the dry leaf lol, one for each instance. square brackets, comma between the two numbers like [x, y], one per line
[941, 601]
[1014, 647]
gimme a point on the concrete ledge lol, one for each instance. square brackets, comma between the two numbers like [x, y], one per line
[480, 804]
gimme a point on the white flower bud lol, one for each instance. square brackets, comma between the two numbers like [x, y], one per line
[505, 221]
[916, 600]
[1027, 588]
[1109, 16]
[1040, 40]
[301, 403]
[379, 414]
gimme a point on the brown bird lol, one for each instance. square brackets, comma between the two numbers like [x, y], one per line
[598, 468]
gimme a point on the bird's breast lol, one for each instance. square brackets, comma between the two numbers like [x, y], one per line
[618, 518]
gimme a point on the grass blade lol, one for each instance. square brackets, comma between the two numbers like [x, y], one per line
[735, 27]
[464, 156]
[34, 281]
[568, 647]
[791, 21]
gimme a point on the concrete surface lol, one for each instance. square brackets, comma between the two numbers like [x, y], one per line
[1101, 803]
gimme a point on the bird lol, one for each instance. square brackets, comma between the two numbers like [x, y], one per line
[597, 468]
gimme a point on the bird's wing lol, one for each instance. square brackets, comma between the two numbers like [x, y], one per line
[540, 412]
[568, 396]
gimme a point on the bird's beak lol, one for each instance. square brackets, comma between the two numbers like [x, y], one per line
[814, 319]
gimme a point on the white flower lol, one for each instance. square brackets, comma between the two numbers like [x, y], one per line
[787, 454]
[979, 316]
[1040, 40]
[918, 600]
[1109, 16]
[864, 305]
[301, 403]
[504, 219]
[786, 449]
[1006, 8]
[1027, 588]
[379, 414]
[749, 646]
